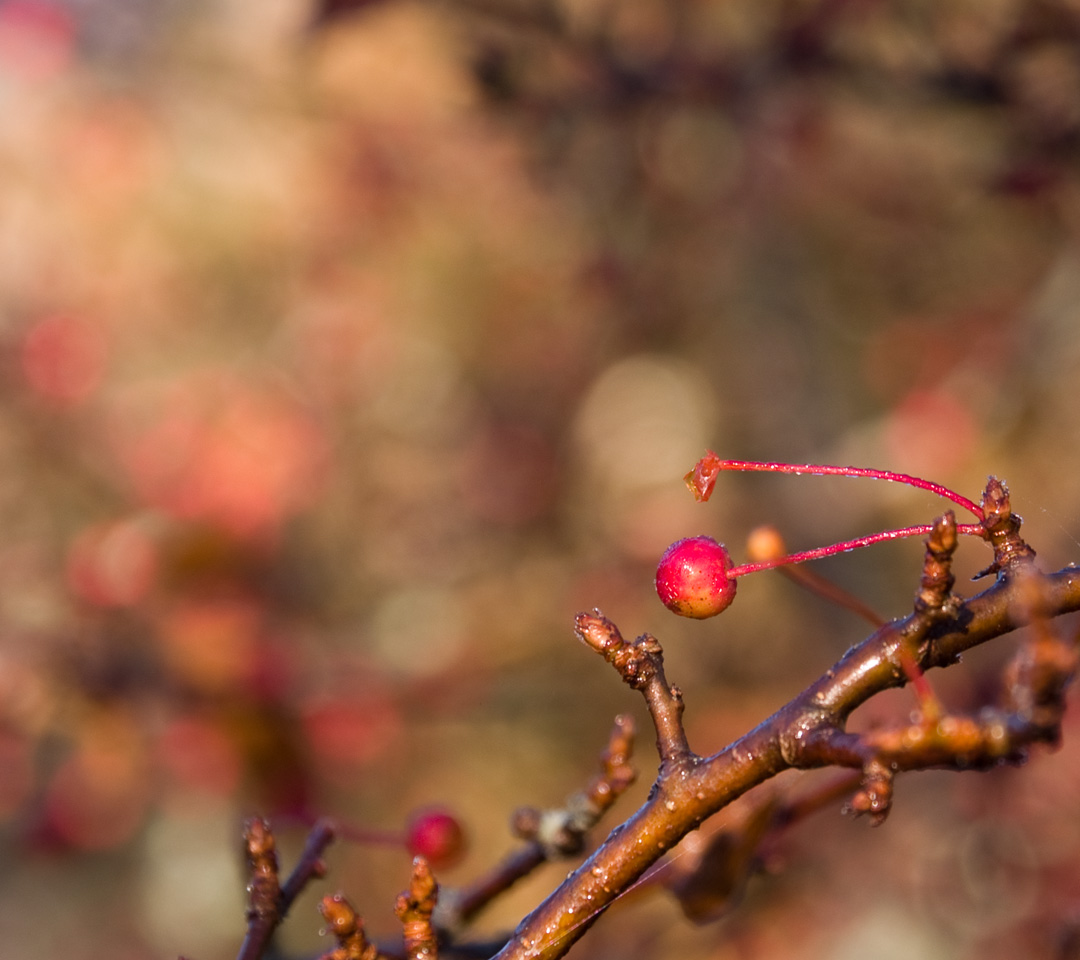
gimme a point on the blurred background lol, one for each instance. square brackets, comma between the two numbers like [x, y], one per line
[348, 349]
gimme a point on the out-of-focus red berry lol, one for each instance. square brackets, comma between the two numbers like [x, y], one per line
[63, 357]
[765, 543]
[437, 836]
[692, 578]
[113, 564]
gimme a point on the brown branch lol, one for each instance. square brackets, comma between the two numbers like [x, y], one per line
[264, 892]
[414, 909]
[467, 903]
[348, 929]
[268, 903]
[708, 873]
[1003, 530]
[798, 735]
[311, 865]
[561, 833]
[641, 665]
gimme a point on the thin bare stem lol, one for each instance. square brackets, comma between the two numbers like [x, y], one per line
[814, 582]
[311, 865]
[551, 834]
[969, 529]
[268, 902]
[414, 909]
[702, 477]
[766, 543]
[516, 866]
[641, 665]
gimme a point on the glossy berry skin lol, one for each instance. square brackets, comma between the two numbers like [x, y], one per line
[437, 836]
[692, 578]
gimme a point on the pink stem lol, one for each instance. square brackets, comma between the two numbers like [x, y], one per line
[361, 835]
[824, 470]
[354, 834]
[970, 529]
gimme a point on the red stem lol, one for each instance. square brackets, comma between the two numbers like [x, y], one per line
[361, 835]
[970, 529]
[825, 470]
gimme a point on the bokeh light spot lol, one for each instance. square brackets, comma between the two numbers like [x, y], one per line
[199, 755]
[930, 432]
[113, 564]
[63, 359]
[349, 732]
[212, 644]
[37, 39]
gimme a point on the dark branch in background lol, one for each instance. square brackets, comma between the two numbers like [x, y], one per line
[513, 42]
[551, 834]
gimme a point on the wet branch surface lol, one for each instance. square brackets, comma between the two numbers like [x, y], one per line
[269, 901]
[809, 732]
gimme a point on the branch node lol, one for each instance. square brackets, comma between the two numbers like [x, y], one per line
[874, 796]
[934, 597]
[414, 908]
[348, 929]
[1002, 528]
[264, 890]
[641, 665]
[634, 661]
[562, 832]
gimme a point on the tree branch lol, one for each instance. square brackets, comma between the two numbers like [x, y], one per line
[268, 903]
[795, 736]
[414, 909]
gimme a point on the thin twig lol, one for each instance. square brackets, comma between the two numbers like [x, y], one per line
[268, 902]
[808, 732]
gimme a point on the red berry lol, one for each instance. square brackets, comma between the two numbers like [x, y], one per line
[437, 836]
[692, 578]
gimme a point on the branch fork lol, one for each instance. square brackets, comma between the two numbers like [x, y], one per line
[641, 665]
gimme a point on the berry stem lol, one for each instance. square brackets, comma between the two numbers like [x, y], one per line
[705, 474]
[833, 593]
[929, 704]
[370, 836]
[970, 529]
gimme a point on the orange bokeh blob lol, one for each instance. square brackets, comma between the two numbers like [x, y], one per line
[229, 454]
[109, 153]
[198, 754]
[213, 644]
[99, 795]
[63, 358]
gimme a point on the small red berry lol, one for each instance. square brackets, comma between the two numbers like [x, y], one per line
[437, 836]
[692, 578]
